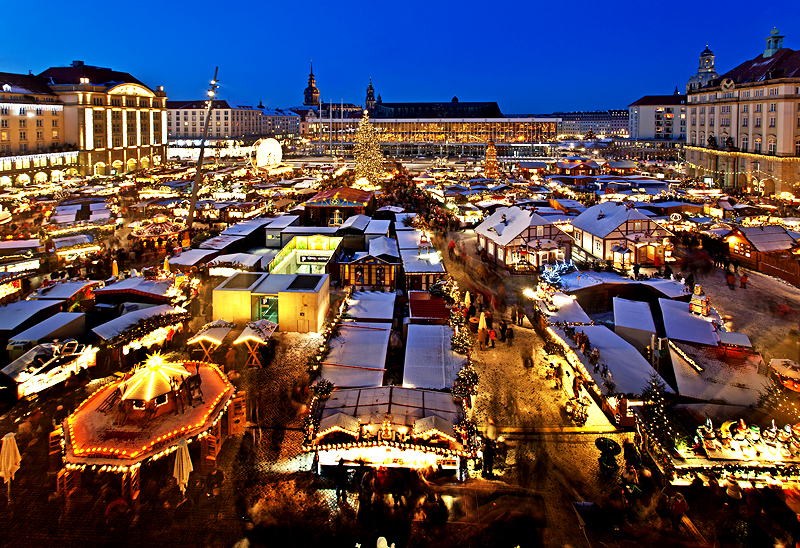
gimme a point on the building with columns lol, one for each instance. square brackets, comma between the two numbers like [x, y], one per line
[117, 123]
[744, 126]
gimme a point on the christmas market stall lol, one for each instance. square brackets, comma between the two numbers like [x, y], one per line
[166, 288]
[210, 336]
[228, 265]
[389, 426]
[786, 373]
[191, 259]
[144, 416]
[142, 328]
[160, 228]
[255, 335]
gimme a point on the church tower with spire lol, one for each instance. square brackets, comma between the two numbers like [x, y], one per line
[311, 93]
[705, 72]
[370, 102]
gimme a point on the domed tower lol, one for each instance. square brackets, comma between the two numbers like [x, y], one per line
[705, 72]
[311, 93]
[370, 102]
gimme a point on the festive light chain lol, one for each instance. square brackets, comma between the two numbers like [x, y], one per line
[686, 357]
[111, 452]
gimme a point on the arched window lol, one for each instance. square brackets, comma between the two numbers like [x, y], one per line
[694, 138]
[757, 145]
[797, 148]
[745, 142]
[771, 146]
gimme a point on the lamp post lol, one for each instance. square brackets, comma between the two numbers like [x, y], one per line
[198, 176]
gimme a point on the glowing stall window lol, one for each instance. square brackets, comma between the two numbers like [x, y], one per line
[359, 274]
[741, 248]
[380, 276]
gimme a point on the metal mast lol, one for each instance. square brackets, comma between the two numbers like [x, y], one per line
[198, 176]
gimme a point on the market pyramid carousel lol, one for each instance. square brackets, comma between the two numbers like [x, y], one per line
[146, 414]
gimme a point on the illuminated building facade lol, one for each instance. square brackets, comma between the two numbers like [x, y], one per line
[33, 147]
[601, 123]
[229, 120]
[744, 127]
[117, 123]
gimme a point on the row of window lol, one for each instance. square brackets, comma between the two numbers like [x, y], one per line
[24, 123]
[23, 135]
[23, 111]
[726, 109]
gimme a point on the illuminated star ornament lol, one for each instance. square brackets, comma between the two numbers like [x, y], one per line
[154, 379]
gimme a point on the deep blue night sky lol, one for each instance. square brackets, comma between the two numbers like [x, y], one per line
[529, 58]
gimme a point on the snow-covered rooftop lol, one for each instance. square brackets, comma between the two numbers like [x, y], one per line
[357, 356]
[371, 305]
[569, 311]
[430, 361]
[633, 314]
[681, 324]
[602, 219]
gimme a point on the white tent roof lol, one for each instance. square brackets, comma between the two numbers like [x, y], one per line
[245, 228]
[408, 239]
[633, 314]
[213, 332]
[259, 331]
[383, 246]
[220, 242]
[430, 361]
[680, 324]
[357, 356]
[371, 305]
[356, 222]
[192, 257]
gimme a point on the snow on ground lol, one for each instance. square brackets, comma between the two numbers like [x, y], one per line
[754, 311]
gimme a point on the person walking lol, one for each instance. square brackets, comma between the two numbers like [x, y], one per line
[341, 482]
[559, 374]
[520, 315]
[492, 337]
[510, 335]
[481, 338]
[678, 507]
[731, 279]
[503, 329]
[743, 281]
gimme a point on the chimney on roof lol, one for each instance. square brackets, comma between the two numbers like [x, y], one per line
[77, 63]
[160, 88]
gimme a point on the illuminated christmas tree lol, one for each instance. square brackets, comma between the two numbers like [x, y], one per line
[490, 166]
[367, 152]
[462, 341]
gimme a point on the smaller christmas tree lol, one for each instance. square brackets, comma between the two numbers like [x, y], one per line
[462, 341]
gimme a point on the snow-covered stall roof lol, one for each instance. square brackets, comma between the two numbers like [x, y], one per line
[585, 279]
[430, 361]
[378, 226]
[633, 314]
[15, 314]
[259, 331]
[357, 356]
[503, 232]
[213, 332]
[117, 326]
[681, 325]
[357, 223]
[734, 339]
[62, 290]
[138, 285]
[630, 372]
[69, 241]
[383, 246]
[408, 239]
[400, 224]
[602, 219]
[403, 406]
[245, 259]
[220, 242]
[421, 263]
[371, 305]
[768, 238]
[46, 327]
[193, 257]
[701, 373]
[245, 228]
[569, 311]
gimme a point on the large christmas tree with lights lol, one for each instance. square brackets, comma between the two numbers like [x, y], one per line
[367, 152]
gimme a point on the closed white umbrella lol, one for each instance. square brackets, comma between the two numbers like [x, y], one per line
[183, 465]
[467, 300]
[9, 460]
[482, 321]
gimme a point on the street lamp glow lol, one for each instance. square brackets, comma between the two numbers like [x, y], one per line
[529, 293]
